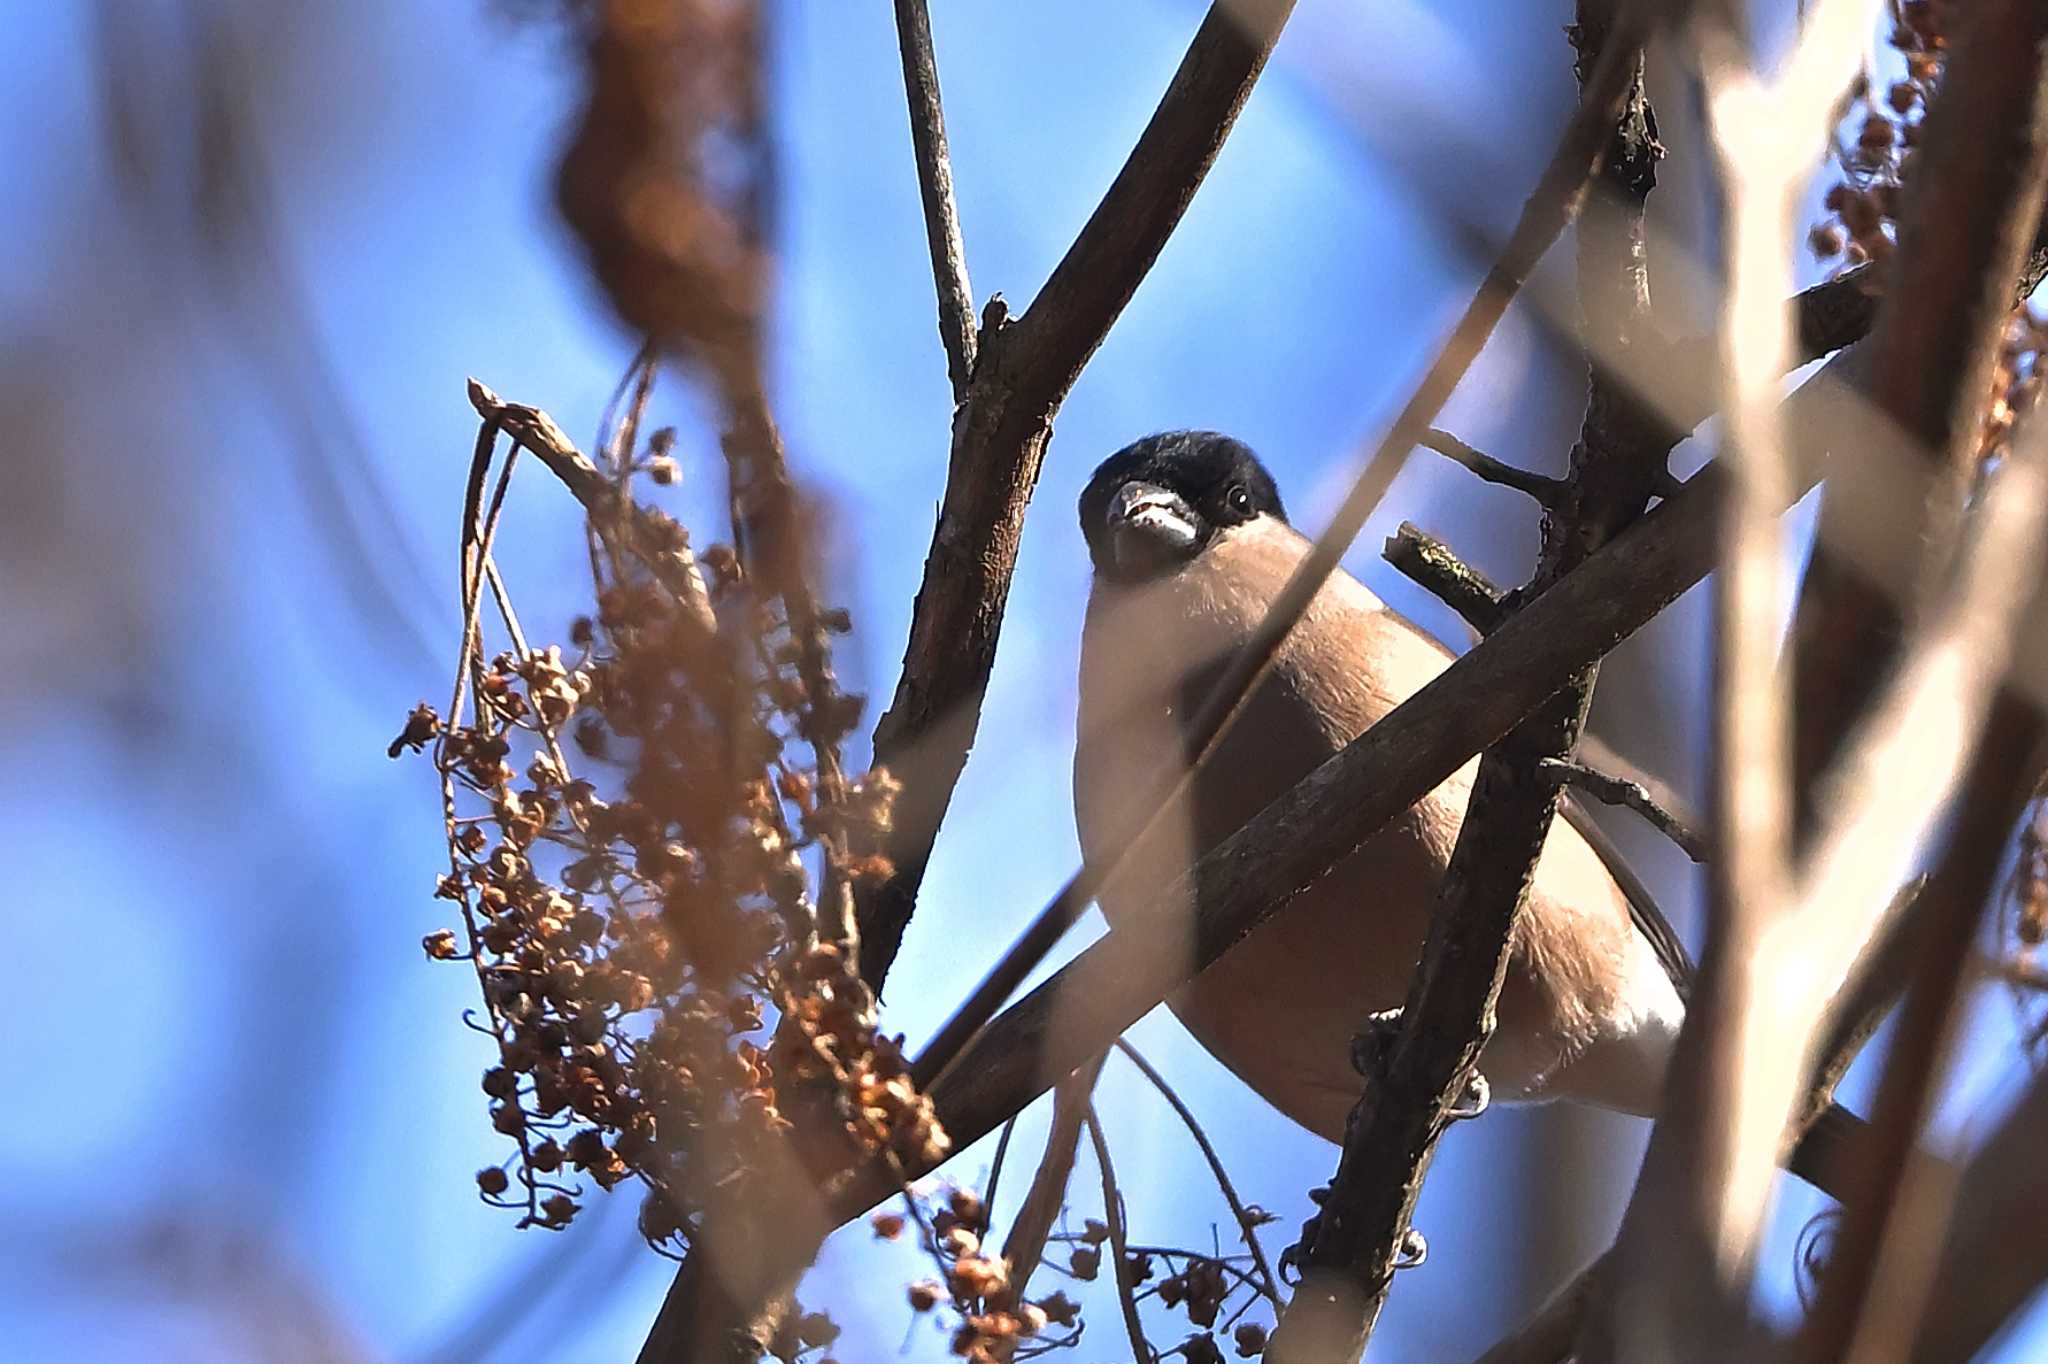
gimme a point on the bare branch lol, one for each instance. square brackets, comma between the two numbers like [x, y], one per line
[1613, 790]
[1548, 1336]
[1449, 1014]
[1434, 566]
[1541, 487]
[935, 185]
[1119, 1241]
[1871, 1291]
[1268, 1284]
[655, 541]
[1024, 1247]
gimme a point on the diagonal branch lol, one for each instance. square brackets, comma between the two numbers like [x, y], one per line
[1021, 373]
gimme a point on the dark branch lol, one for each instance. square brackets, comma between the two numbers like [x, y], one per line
[1543, 488]
[935, 186]
[1088, 289]
[1022, 372]
[1450, 1010]
[1613, 790]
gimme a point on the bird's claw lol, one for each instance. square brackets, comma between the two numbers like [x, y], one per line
[1412, 1252]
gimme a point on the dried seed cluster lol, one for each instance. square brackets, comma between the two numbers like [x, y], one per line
[1876, 138]
[657, 973]
[1875, 153]
[995, 1325]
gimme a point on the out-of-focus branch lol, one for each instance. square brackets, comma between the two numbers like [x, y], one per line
[1827, 317]
[1548, 1336]
[935, 186]
[1993, 1259]
[1691, 1230]
[1022, 372]
[1870, 1292]
[1450, 1009]
[1024, 1247]
[1968, 226]
[1550, 207]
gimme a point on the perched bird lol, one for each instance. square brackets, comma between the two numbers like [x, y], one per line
[1190, 545]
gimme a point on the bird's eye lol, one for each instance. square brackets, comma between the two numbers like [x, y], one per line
[1239, 498]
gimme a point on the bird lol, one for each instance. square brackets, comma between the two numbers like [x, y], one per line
[1190, 544]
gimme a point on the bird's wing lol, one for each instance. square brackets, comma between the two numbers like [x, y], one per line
[1642, 908]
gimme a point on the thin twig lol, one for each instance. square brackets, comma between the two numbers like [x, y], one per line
[1269, 1285]
[1119, 1241]
[669, 559]
[1541, 487]
[1613, 790]
[935, 186]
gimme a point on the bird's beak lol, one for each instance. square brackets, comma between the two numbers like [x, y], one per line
[1150, 527]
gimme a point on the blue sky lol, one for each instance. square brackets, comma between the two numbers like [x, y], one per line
[248, 1112]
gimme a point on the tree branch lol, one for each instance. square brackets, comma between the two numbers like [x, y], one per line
[935, 186]
[1866, 1294]
[1119, 1240]
[1450, 1010]
[1613, 790]
[1021, 374]
[1541, 487]
[1994, 1258]
[654, 540]
[1435, 566]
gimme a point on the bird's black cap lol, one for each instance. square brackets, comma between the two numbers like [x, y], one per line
[1217, 477]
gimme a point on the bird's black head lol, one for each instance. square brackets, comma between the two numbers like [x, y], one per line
[1158, 502]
